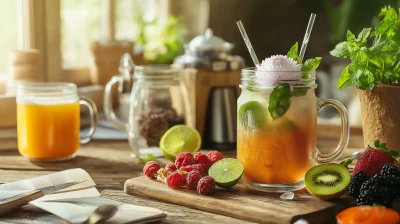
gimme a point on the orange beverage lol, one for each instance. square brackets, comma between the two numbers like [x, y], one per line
[48, 131]
[277, 131]
[48, 120]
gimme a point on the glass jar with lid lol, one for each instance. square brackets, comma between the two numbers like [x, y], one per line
[158, 101]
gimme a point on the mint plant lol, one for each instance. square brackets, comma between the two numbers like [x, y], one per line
[374, 54]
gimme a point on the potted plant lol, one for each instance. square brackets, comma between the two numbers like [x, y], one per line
[375, 71]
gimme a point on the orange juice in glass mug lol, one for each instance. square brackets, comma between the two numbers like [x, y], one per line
[48, 120]
[277, 147]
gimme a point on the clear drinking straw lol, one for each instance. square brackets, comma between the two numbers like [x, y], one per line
[306, 38]
[247, 42]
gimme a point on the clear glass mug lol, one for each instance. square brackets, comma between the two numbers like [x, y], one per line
[48, 120]
[276, 153]
[158, 101]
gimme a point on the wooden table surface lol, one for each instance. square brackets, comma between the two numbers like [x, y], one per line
[109, 164]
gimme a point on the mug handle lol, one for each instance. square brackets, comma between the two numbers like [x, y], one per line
[93, 117]
[344, 138]
[108, 110]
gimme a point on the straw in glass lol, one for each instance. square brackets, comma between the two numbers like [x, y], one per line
[306, 38]
[247, 42]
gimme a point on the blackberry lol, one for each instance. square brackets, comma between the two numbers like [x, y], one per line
[356, 181]
[376, 194]
[390, 169]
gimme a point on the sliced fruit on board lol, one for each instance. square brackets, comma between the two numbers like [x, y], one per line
[179, 138]
[327, 181]
[368, 215]
[226, 172]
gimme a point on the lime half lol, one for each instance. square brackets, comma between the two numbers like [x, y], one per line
[179, 138]
[252, 115]
[226, 172]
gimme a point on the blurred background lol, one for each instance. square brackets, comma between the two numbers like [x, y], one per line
[83, 41]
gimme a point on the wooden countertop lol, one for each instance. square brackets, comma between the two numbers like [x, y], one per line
[109, 164]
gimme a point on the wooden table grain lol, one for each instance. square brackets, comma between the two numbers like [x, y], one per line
[109, 164]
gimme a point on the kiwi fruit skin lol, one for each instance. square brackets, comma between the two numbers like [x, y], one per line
[336, 195]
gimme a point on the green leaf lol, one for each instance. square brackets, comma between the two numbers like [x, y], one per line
[311, 64]
[393, 153]
[364, 34]
[345, 79]
[294, 52]
[279, 100]
[341, 50]
[147, 158]
[389, 24]
[364, 80]
[350, 36]
[377, 144]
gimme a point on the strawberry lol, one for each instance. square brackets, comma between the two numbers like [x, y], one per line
[373, 159]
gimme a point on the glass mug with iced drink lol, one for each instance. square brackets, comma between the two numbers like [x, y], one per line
[277, 124]
[48, 120]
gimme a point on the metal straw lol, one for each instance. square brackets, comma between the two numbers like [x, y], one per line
[306, 37]
[247, 42]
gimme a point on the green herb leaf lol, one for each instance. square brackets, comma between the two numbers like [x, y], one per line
[311, 64]
[364, 34]
[350, 36]
[389, 24]
[279, 100]
[344, 79]
[294, 52]
[341, 50]
[147, 158]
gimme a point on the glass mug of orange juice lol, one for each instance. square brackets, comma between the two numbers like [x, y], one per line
[48, 120]
[277, 129]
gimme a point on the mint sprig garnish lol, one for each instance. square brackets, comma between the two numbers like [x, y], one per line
[279, 100]
[376, 63]
[382, 146]
[308, 65]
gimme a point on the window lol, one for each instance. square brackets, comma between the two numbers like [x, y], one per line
[80, 26]
[8, 31]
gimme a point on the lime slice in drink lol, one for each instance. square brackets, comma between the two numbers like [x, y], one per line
[252, 115]
[226, 172]
[179, 138]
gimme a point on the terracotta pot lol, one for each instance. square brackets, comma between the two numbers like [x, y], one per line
[380, 112]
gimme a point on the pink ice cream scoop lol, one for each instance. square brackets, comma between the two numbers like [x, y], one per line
[278, 69]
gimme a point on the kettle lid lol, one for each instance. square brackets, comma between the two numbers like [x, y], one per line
[209, 42]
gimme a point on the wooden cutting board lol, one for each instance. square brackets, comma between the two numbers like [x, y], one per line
[244, 203]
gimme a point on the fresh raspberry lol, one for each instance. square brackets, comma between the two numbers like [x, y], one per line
[175, 180]
[214, 156]
[192, 179]
[200, 157]
[170, 168]
[150, 169]
[206, 185]
[372, 161]
[206, 166]
[194, 167]
[184, 159]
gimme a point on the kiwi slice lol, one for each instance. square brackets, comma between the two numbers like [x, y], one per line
[327, 181]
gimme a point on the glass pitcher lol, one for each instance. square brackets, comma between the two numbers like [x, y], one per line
[277, 135]
[158, 101]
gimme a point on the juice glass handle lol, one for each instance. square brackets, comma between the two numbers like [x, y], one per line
[93, 117]
[108, 110]
[344, 138]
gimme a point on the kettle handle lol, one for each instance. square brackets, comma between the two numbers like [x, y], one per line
[108, 110]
